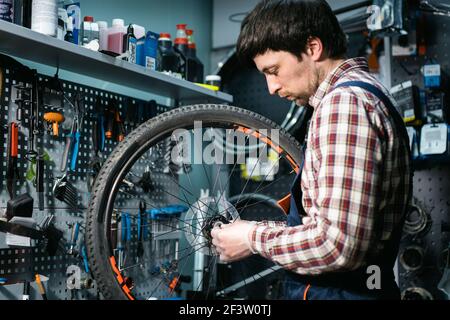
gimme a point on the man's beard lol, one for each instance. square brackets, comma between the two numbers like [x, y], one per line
[312, 89]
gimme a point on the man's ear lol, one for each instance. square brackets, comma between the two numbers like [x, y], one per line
[314, 48]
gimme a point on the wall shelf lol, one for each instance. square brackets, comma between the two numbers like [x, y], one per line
[27, 44]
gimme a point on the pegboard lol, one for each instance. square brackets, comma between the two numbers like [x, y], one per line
[431, 190]
[431, 183]
[22, 263]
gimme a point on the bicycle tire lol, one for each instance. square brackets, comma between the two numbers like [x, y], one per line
[111, 284]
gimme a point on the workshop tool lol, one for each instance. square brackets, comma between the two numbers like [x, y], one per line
[98, 143]
[21, 206]
[141, 224]
[73, 238]
[39, 280]
[119, 125]
[113, 122]
[73, 138]
[79, 128]
[109, 115]
[64, 191]
[167, 212]
[34, 124]
[146, 181]
[85, 258]
[54, 118]
[12, 154]
[39, 181]
[115, 228]
[20, 101]
[69, 145]
[124, 236]
[26, 290]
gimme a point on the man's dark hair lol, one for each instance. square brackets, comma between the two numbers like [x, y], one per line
[286, 25]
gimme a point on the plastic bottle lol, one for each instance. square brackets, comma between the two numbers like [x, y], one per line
[129, 44]
[181, 40]
[86, 30]
[115, 36]
[103, 35]
[181, 47]
[74, 13]
[139, 31]
[44, 16]
[69, 32]
[167, 59]
[95, 32]
[195, 68]
[7, 10]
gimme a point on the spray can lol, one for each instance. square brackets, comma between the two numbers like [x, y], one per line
[44, 17]
[7, 10]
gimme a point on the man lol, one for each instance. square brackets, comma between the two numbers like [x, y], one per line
[349, 202]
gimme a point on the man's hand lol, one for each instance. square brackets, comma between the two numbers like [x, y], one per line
[232, 241]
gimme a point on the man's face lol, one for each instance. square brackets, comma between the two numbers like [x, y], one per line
[287, 76]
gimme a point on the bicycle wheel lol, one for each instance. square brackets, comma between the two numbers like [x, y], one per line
[149, 238]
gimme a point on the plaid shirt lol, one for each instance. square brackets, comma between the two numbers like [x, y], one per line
[355, 169]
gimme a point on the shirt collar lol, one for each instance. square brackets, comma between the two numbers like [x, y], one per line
[339, 72]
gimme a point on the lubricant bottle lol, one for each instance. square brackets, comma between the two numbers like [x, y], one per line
[167, 60]
[129, 44]
[194, 65]
[181, 47]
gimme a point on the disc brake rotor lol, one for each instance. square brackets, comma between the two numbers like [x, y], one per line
[201, 218]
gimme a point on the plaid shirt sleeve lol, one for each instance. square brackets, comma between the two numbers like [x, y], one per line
[345, 159]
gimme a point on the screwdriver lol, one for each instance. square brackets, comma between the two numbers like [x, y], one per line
[40, 180]
[12, 152]
[74, 237]
[41, 287]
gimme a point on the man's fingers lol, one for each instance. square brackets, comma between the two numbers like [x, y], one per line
[214, 232]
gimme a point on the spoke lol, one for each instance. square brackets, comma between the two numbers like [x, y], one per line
[248, 180]
[190, 193]
[231, 172]
[202, 281]
[259, 190]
